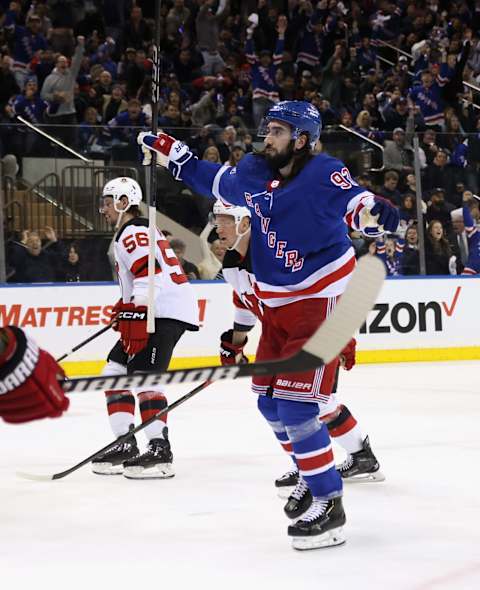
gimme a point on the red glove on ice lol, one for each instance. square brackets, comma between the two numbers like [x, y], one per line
[30, 380]
[132, 325]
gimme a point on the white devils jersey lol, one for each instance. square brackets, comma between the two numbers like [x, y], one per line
[174, 295]
[237, 272]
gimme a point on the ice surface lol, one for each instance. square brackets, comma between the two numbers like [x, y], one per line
[218, 523]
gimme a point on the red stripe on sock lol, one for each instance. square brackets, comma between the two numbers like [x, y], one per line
[121, 407]
[315, 462]
[147, 414]
[287, 447]
[343, 428]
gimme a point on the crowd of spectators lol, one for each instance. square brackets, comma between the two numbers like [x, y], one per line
[225, 62]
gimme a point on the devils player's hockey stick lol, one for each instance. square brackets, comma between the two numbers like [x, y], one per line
[82, 344]
[327, 342]
[121, 439]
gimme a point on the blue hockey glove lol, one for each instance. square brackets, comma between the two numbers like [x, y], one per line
[388, 215]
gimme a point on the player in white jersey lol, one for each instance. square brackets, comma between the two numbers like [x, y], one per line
[233, 228]
[176, 310]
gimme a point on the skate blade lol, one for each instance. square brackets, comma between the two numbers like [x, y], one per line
[376, 476]
[160, 471]
[107, 469]
[284, 492]
[329, 539]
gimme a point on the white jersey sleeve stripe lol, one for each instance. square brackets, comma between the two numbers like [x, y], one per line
[216, 181]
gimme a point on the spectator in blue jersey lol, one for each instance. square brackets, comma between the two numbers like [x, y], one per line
[428, 96]
[390, 252]
[125, 126]
[32, 108]
[311, 35]
[472, 264]
[27, 41]
[93, 140]
[265, 91]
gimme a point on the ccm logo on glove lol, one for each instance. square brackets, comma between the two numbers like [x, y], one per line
[132, 315]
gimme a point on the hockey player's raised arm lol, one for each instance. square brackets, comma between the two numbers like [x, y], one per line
[362, 210]
[205, 178]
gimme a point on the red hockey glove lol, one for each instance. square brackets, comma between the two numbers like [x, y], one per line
[347, 356]
[231, 354]
[115, 311]
[30, 380]
[132, 325]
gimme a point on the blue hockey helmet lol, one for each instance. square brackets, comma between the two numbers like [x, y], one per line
[301, 115]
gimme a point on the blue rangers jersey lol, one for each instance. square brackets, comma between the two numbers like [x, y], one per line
[430, 100]
[32, 110]
[263, 79]
[473, 237]
[26, 43]
[299, 242]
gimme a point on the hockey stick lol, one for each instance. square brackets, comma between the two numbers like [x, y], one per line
[89, 339]
[121, 439]
[327, 342]
[324, 345]
[151, 177]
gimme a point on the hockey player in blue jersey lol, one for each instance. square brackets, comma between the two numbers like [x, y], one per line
[302, 259]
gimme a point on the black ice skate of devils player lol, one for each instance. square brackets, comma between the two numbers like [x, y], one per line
[176, 310]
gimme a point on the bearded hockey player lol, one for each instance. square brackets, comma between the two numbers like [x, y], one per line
[302, 259]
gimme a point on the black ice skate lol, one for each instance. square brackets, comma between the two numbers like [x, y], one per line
[155, 463]
[299, 500]
[361, 466]
[321, 526]
[111, 462]
[286, 483]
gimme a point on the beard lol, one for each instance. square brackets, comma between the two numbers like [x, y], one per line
[278, 160]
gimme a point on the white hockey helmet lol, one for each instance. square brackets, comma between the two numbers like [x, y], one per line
[237, 212]
[123, 186]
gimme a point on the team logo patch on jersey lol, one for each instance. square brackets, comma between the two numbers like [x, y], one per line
[272, 185]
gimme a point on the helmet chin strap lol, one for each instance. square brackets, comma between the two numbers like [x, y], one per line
[239, 236]
[120, 212]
